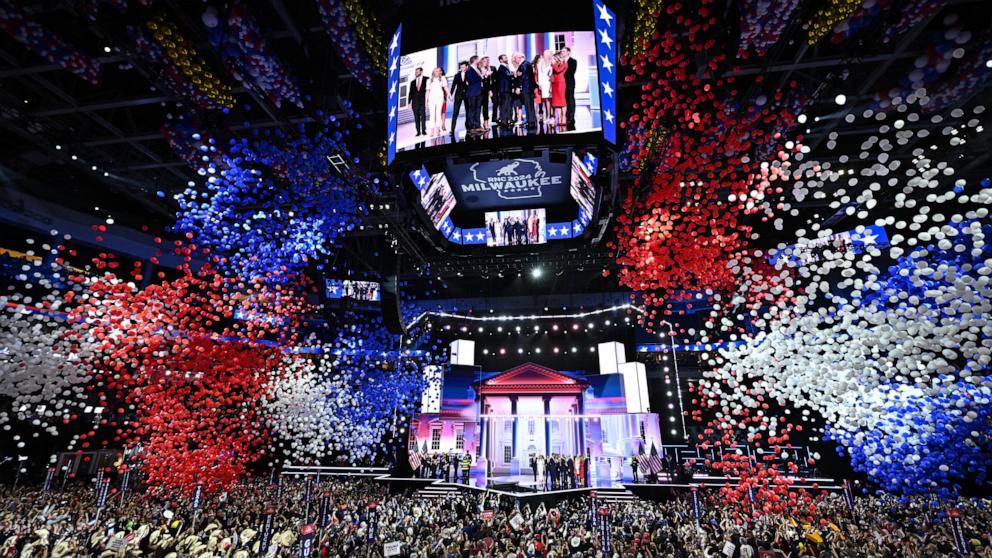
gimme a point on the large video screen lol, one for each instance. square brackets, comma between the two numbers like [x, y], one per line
[473, 87]
[518, 227]
[528, 84]
[510, 183]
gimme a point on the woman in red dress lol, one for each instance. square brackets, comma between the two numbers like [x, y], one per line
[558, 89]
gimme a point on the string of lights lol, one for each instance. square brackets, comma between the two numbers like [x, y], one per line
[575, 315]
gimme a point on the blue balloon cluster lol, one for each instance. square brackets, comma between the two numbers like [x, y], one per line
[925, 444]
[930, 438]
[271, 203]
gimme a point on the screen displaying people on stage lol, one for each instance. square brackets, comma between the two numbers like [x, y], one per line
[515, 228]
[356, 290]
[437, 198]
[538, 83]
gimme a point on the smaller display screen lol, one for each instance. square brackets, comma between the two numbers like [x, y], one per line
[358, 290]
[437, 198]
[515, 228]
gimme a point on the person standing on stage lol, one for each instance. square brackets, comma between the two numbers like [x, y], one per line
[553, 471]
[458, 92]
[543, 72]
[533, 466]
[558, 68]
[502, 96]
[633, 468]
[473, 96]
[417, 99]
[437, 94]
[566, 55]
[526, 74]
[488, 85]
[570, 472]
[466, 465]
[540, 469]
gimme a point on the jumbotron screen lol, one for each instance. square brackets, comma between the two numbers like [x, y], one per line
[503, 86]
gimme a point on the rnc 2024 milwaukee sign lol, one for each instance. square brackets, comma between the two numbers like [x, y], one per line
[532, 182]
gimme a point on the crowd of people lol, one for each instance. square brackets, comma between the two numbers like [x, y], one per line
[512, 93]
[471, 524]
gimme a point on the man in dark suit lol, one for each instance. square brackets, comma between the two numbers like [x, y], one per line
[473, 98]
[526, 74]
[458, 91]
[417, 99]
[503, 97]
[566, 54]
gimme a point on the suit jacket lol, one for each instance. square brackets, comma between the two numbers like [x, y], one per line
[504, 79]
[570, 73]
[526, 72]
[458, 85]
[415, 96]
[473, 81]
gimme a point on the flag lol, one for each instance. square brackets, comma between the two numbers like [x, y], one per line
[654, 461]
[643, 463]
[415, 459]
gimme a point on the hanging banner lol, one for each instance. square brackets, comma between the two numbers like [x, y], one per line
[102, 490]
[325, 504]
[197, 496]
[848, 496]
[99, 479]
[267, 516]
[49, 475]
[592, 508]
[307, 491]
[373, 521]
[696, 511]
[604, 529]
[960, 544]
[279, 487]
[125, 480]
[306, 540]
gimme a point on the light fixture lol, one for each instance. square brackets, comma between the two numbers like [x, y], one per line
[485, 351]
[537, 350]
[840, 99]
[554, 327]
[520, 351]
[536, 272]
[502, 351]
[801, 119]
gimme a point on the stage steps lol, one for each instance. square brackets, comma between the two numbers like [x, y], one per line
[436, 491]
[616, 495]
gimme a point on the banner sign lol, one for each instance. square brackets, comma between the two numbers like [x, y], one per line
[99, 479]
[848, 496]
[307, 490]
[373, 521]
[267, 515]
[102, 490]
[487, 515]
[960, 544]
[696, 511]
[306, 540]
[279, 487]
[392, 549]
[604, 528]
[592, 507]
[325, 503]
[510, 183]
[197, 496]
[49, 475]
[125, 480]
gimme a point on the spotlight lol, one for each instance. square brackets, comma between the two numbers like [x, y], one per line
[480, 329]
[520, 351]
[502, 351]
[840, 99]
[555, 327]
[575, 327]
[537, 328]
[591, 325]
[537, 350]
[536, 272]
[517, 328]
[485, 351]
[499, 328]
[575, 350]
[801, 119]
[556, 350]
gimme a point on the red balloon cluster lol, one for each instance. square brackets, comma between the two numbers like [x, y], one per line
[191, 354]
[696, 160]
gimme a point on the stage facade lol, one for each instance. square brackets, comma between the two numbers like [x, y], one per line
[504, 419]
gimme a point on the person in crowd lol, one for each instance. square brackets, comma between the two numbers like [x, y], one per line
[525, 72]
[417, 99]
[437, 95]
[571, 67]
[459, 92]
[633, 469]
[466, 466]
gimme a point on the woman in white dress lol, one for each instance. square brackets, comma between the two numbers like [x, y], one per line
[545, 67]
[437, 94]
